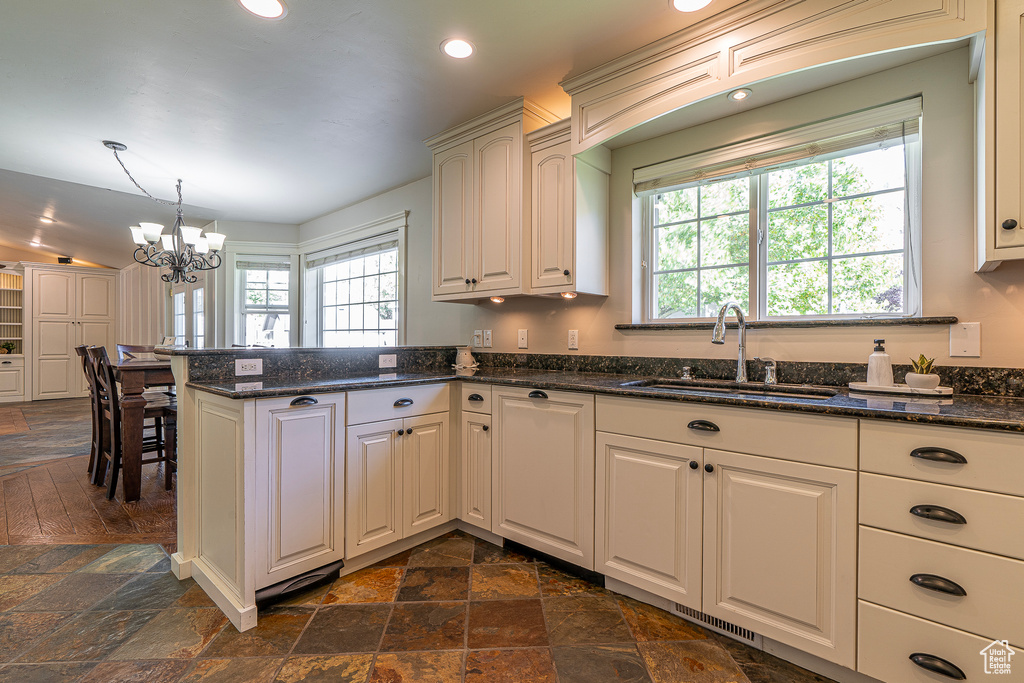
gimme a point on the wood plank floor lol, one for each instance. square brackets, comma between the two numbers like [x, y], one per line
[12, 421]
[54, 502]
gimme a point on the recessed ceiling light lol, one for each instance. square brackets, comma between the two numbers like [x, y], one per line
[44, 219]
[690, 5]
[457, 48]
[740, 94]
[498, 299]
[568, 295]
[266, 9]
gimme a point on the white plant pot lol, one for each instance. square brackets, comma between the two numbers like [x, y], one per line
[918, 381]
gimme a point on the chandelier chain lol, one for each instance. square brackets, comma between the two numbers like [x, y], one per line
[142, 189]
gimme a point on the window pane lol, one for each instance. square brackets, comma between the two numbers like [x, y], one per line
[798, 233]
[726, 196]
[724, 240]
[371, 288]
[872, 284]
[881, 169]
[389, 260]
[720, 285]
[355, 267]
[256, 277]
[256, 297]
[676, 247]
[800, 185]
[798, 289]
[344, 296]
[675, 295]
[278, 279]
[389, 286]
[330, 293]
[673, 207]
[868, 224]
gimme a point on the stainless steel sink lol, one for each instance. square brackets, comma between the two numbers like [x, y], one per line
[740, 389]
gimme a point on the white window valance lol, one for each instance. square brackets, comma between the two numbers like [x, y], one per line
[352, 250]
[843, 135]
[262, 262]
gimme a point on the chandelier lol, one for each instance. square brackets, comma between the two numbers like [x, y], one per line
[184, 251]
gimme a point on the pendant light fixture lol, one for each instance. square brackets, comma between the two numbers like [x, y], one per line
[184, 251]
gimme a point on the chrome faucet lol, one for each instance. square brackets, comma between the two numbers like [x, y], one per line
[770, 376]
[718, 337]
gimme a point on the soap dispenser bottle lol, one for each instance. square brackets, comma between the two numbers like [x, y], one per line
[879, 367]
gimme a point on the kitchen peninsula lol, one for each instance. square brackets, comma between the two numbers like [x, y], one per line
[747, 509]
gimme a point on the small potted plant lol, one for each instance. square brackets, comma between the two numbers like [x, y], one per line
[7, 347]
[922, 376]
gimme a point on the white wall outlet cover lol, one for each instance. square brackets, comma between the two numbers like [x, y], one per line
[248, 386]
[965, 340]
[478, 338]
[387, 360]
[487, 339]
[574, 340]
[522, 339]
[248, 366]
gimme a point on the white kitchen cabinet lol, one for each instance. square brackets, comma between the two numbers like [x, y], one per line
[475, 501]
[300, 451]
[780, 551]
[481, 197]
[398, 480]
[12, 378]
[543, 471]
[648, 515]
[69, 307]
[569, 226]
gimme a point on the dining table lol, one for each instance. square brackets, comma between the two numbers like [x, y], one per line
[136, 375]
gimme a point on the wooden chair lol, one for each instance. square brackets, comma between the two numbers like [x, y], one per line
[160, 407]
[94, 406]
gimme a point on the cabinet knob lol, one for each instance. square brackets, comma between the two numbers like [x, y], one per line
[467, 280]
[409, 430]
[565, 272]
[485, 428]
[1009, 224]
[709, 468]
[400, 432]
[938, 665]
[474, 281]
[694, 465]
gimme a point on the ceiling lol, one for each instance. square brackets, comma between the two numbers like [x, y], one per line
[269, 121]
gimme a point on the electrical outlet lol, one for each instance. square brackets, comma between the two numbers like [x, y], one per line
[574, 340]
[487, 339]
[965, 340]
[248, 366]
[522, 339]
[248, 386]
[387, 360]
[478, 338]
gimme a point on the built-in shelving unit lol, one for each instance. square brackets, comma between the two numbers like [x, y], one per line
[12, 311]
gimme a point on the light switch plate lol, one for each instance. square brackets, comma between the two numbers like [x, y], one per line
[965, 340]
[487, 339]
[574, 340]
[522, 339]
[248, 366]
[478, 338]
[387, 360]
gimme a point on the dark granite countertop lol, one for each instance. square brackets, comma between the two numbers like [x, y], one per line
[983, 412]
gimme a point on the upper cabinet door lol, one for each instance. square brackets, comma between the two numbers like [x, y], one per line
[498, 159]
[1009, 122]
[53, 294]
[95, 296]
[453, 220]
[552, 217]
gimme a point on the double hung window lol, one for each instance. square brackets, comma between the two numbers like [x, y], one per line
[265, 312]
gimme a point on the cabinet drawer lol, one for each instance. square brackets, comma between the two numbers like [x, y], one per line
[8, 362]
[885, 502]
[887, 640]
[814, 439]
[373, 405]
[476, 398]
[994, 460]
[888, 560]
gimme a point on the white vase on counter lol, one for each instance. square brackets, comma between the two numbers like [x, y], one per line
[464, 357]
[917, 380]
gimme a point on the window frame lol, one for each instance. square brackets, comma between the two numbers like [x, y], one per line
[244, 308]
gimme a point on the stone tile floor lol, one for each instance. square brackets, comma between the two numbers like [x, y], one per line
[455, 609]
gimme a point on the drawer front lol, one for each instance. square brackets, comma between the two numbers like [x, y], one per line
[887, 639]
[476, 398]
[991, 518]
[994, 460]
[888, 561]
[814, 439]
[372, 405]
[10, 362]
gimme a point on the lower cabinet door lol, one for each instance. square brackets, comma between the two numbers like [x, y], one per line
[476, 470]
[543, 471]
[426, 491]
[374, 503]
[780, 549]
[649, 509]
[300, 455]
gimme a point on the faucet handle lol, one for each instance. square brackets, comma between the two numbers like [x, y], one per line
[770, 362]
[686, 373]
[769, 370]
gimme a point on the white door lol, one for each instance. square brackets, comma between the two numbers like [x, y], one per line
[649, 508]
[300, 470]
[55, 365]
[543, 471]
[552, 199]
[94, 295]
[497, 166]
[780, 551]
[453, 220]
[476, 470]
[53, 294]
[425, 453]
[373, 511]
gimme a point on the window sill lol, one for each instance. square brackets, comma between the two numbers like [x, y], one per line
[782, 324]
